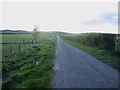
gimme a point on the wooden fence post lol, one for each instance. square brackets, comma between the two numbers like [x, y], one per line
[25, 47]
[11, 50]
[19, 47]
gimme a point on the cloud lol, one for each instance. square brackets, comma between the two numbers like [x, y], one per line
[115, 17]
[104, 28]
[110, 18]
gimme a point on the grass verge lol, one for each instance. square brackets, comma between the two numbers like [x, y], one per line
[105, 56]
[29, 69]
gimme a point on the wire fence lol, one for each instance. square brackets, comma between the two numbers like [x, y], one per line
[11, 48]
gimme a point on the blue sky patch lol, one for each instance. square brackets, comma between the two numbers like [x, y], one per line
[111, 18]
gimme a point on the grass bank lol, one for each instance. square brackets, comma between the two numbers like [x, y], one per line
[29, 69]
[107, 57]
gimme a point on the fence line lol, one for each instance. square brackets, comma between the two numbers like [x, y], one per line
[10, 48]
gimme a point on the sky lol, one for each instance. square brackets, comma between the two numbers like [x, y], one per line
[72, 17]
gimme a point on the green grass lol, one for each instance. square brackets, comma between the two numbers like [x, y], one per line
[16, 37]
[103, 55]
[21, 37]
[9, 49]
[31, 68]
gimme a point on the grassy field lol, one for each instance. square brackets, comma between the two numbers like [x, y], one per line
[21, 37]
[9, 49]
[106, 56]
[31, 68]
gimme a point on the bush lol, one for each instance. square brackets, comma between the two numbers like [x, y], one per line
[101, 40]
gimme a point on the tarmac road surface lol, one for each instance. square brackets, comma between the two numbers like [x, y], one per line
[75, 68]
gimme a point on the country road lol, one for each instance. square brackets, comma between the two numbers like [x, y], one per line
[75, 68]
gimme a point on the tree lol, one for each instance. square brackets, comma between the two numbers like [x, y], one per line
[35, 33]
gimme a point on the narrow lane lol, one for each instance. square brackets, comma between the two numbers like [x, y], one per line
[77, 69]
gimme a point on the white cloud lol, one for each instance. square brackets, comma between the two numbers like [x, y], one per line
[62, 16]
[115, 17]
[105, 28]
[110, 17]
